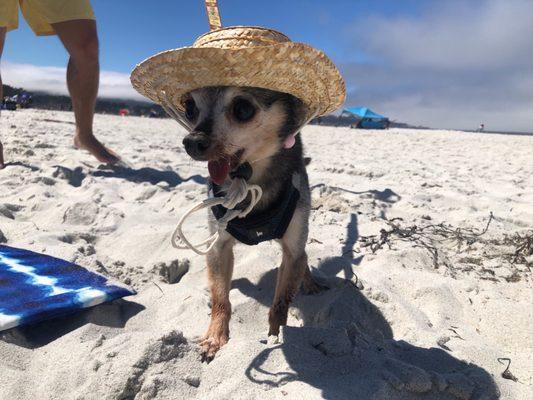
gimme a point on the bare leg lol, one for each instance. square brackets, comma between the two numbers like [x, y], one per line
[81, 41]
[220, 270]
[290, 277]
[3, 31]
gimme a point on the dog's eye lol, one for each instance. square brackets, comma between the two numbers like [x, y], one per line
[191, 111]
[243, 110]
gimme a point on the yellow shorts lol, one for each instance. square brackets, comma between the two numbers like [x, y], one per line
[40, 14]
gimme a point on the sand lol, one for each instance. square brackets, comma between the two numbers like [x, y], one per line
[394, 324]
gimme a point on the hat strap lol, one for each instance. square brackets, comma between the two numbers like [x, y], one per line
[213, 14]
[173, 112]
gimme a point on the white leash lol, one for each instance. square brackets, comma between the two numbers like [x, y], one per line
[237, 192]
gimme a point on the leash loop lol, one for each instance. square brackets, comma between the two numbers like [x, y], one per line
[237, 192]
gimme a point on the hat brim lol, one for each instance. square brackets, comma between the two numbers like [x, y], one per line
[293, 68]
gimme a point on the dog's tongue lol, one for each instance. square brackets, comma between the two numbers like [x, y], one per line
[218, 170]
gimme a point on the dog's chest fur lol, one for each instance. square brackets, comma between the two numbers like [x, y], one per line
[277, 176]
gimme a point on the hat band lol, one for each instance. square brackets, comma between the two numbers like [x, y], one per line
[241, 41]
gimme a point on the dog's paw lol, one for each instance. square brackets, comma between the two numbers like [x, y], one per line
[210, 345]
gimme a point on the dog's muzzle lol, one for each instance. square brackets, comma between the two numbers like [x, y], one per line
[196, 145]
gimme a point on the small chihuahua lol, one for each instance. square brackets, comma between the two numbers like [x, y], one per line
[231, 127]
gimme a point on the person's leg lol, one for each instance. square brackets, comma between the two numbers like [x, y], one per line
[3, 31]
[81, 41]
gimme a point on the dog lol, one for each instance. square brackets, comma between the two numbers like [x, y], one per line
[232, 126]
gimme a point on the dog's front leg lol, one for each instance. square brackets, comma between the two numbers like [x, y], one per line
[290, 276]
[219, 270]
[292, 269]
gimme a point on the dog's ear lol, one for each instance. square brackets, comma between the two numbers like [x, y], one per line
[297, 115]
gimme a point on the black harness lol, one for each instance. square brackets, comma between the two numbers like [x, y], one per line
[267, 224]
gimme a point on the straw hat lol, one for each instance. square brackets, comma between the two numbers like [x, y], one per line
[242, 56]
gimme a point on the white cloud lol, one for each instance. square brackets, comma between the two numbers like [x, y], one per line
[453, 65]
[484, 34]
[53, 80]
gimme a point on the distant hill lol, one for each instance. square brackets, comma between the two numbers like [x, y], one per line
[338, 120]
[49, 101]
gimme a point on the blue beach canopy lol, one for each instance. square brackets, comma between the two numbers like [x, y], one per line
[368, 118]
[364, 112]
[35, 287]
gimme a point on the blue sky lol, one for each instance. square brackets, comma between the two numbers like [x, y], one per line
[131, 31]
[417, 61]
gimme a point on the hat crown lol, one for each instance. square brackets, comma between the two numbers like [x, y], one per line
[236, 37]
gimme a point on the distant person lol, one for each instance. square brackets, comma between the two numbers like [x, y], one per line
[481, 128]
[74, 23]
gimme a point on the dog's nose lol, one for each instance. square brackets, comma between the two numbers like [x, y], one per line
[196, 144]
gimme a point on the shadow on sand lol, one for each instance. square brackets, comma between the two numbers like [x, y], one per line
[114, 314]
[33, 168]
[147, 174]
[386, 195]
[331, 266]
[347, 350]
[153, 176]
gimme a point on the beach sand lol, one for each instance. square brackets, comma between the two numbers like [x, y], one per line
[402, 322]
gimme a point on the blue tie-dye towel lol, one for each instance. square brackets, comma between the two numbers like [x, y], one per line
[35, 287]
